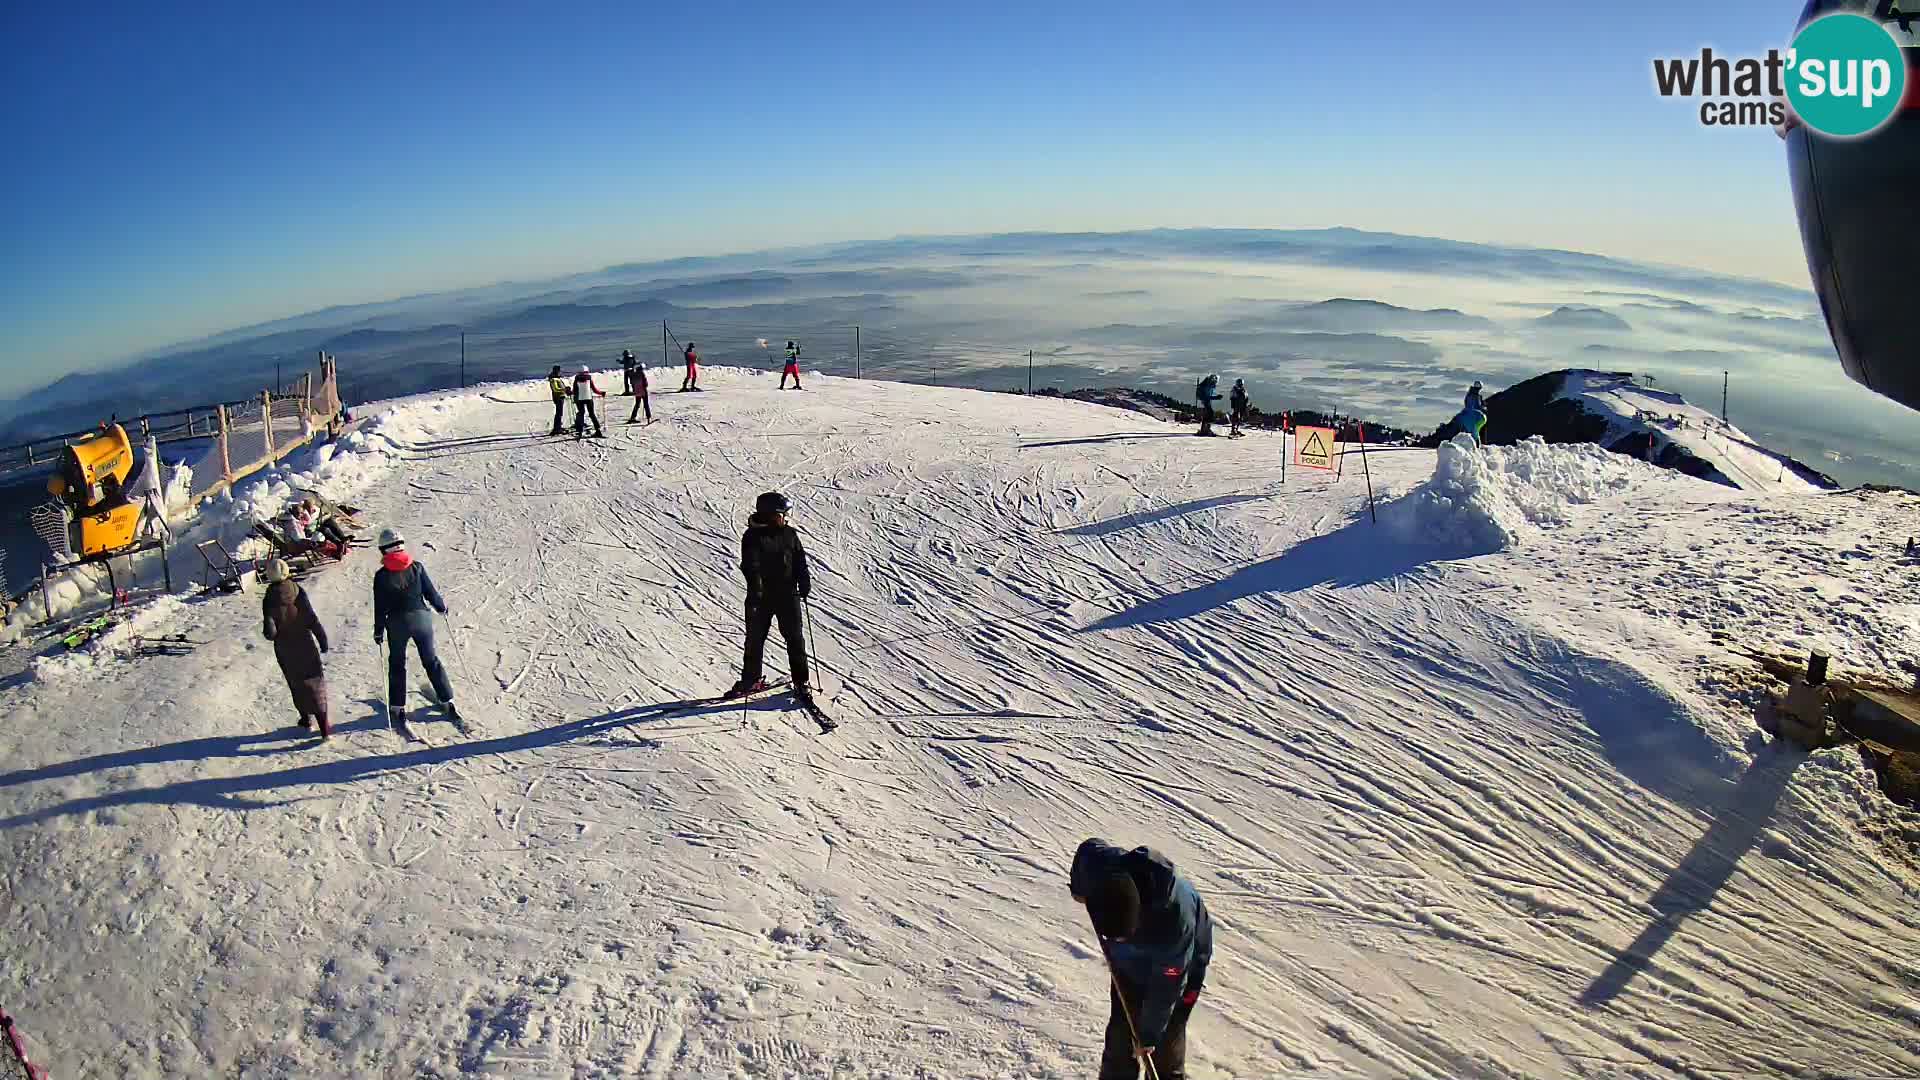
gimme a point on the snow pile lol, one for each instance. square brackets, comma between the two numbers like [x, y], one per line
[1489, 498]
[110, 646]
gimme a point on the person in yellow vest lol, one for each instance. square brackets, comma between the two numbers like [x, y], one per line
[562, 390]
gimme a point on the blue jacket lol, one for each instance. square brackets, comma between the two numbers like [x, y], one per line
[1170, 954]
[399, 594]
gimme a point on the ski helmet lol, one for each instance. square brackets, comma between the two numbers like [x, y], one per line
[771, 503]
[583, 369]
[390, 539]
[626, 354]
[278, 571]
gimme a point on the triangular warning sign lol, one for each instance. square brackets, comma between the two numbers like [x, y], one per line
[1313, 447]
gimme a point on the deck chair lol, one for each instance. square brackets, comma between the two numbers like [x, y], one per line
[332, 514]
[303, 556]
[224, 573]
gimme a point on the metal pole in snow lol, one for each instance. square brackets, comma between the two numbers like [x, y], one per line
[463, 359]
[1029, 372]
[1369, 474]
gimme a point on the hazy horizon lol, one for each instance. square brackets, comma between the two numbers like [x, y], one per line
[12, 390]
[228, 171]
[1151, 309]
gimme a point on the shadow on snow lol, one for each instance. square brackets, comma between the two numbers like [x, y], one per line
[1148, 517]
[232, 792]
[1359, 553]
[1707, 867]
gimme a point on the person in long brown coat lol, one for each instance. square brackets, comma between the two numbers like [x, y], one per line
[298, 640]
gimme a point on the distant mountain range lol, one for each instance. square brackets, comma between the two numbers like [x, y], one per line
[1321, 319]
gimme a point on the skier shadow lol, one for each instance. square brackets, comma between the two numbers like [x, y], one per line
[1354, 555]
[260, 744]
[1707, 867]
[243, 792]
[464, 448]
[1148, 517]
[468, 441]
[1120, 436]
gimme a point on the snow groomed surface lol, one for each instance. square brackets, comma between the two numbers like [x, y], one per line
[1469, 793]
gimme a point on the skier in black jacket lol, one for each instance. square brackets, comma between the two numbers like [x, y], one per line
[1158, 940]
[402, 593]
[775, 566]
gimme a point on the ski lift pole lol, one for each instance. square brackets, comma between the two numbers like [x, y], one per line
[1119, 995]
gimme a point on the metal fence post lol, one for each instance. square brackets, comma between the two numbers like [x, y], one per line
[856, 352]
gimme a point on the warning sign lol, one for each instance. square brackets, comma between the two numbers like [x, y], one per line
[1313, 447]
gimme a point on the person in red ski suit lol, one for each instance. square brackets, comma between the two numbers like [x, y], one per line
[692, 381]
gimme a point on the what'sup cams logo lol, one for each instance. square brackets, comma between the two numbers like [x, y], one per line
[1844, 76]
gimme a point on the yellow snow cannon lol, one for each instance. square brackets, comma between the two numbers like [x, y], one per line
[91, 481]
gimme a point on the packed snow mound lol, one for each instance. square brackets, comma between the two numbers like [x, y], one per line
[1490, 498]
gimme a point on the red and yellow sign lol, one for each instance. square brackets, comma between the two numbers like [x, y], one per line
[1313, 447]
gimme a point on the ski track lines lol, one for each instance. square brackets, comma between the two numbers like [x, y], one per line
[1425, 844]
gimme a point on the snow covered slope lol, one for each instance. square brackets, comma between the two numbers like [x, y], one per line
[1464, 790]
[1609, 409]
[1660, 419]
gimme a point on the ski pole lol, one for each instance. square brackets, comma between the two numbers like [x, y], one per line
[813, 653]
[386, 692]
[457, 650]
[1119, 995]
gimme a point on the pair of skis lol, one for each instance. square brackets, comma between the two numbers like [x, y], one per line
[804, 704]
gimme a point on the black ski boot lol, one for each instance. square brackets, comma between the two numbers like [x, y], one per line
[743, 688]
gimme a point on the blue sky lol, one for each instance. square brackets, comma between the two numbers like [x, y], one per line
[173, 175]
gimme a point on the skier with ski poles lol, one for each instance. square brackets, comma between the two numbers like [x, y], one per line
[298, 642]
[583, 394]
[637, 386]
[1238, 405]
[402, 595]
[692, 381]
[775, 567]
[1158, 941]
[793, 366]
[558, 385]
[1207, 392]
